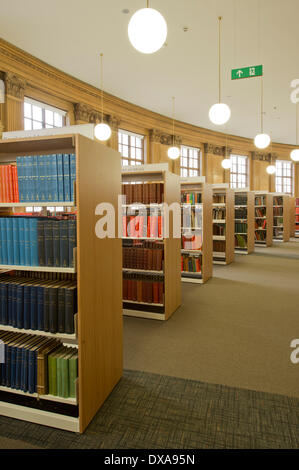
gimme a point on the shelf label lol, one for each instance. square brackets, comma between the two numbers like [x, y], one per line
[247, 72]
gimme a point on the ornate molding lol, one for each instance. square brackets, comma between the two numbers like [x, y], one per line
[165, 139]
[264, 157]
[220, 150]
[14, 85]
[83, 112]
[114, 122]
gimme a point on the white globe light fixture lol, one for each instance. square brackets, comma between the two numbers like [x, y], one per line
[262, 141]
[226, 163]
[271, 169]
[173, 153]
[219, 113]
[295, 155]
[147, 30]
[102, 131]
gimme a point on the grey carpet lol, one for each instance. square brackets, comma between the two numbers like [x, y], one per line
[234, 330]
[150, 411]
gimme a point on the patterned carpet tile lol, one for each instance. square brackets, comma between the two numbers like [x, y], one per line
[150, 411]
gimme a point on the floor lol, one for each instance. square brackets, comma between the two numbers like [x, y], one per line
[234, 330]
[216, 375]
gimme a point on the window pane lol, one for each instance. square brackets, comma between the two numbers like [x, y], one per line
[125, 151]
[57, 120]
[125, 139]
[37, 125]
[27, 110]
[49, 117]
[27, 124]
[37, 114]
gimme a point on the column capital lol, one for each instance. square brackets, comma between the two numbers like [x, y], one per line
[220, 150]
[264, 156]
[164, 138]
[14, 85]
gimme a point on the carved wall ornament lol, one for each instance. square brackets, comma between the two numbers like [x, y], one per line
[221, 150]
[15, 85]
[163, 138]
[264, 156]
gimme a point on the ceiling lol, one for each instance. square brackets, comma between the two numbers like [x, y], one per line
[70, 34]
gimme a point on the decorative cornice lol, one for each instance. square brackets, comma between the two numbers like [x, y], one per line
[222, 150]
[165, 139]
[14, 85]
[114, 122]
[83, 112]
[264, 157]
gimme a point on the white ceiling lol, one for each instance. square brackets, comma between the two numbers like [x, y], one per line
[70, 34]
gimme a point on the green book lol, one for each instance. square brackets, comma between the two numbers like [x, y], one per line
[52, 371]
[73, 374]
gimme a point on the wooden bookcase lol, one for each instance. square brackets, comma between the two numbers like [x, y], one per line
[297, 217]
[263, 218]
[223, 220]
[281, 217]
[99, 319]
[190, 188]
[244, 222]
[292, 216]
[170, 274]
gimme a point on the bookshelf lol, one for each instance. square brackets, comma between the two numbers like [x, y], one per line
[297, 217]
[292, 216]
[223, 224]
[197, 241]
[263, 217]
[244, 222]
[98, 322]
[148, 295]
[281, 217]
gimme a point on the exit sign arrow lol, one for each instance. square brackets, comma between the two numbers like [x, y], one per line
[247, 72]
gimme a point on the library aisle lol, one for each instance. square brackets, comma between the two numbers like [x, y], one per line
[234, 330]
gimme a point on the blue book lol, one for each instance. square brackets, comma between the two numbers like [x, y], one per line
[4, 241]
[64, 244]
[18, 368]
[71, 241]
[20, 171]
[33, 241]
[9, 304]
[12, 358]
[49, 253]
[35, 178]
[26, 306]
[49, 195]
[3, 301]
[30, 190]
[27, 240]
[40, 308]
[16, 240]
[73, 173]
[54, 178]
[9, 241]
[60, 176]
[33, 307]
[27, 161]
[41, 177]
[20, 305]
[22, 240]
[66, 177]
[14, 305]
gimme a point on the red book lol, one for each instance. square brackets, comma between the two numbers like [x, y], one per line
[160, 234]
[125, 233]
[155, 292]
[1, 184]
[161, 286]
[154, 226]
[5, 184]
[130, 289]
[15, 183]
[148, 226]
[9, 184]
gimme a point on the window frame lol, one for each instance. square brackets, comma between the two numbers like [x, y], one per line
[235, 177]
[132, 148]
[281, 188]
[43, 121]
[187, 170]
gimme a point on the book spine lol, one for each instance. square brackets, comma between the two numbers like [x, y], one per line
[26, 178]
[41, 242]
[3, 300]
[56, 244]
[3, 241]
[54, 178]
[33, 308]
[49, 255]
[46, 309]
[53, 310]
[61, 310]
[20, 172]
[21, 224]
[73, 374]
[64, 378]
[69, 310]
[66, 177]
[27, 240]
[31, 372]
[60, 176]
[9, 234]
[73, 174]
[35, 178]
[71, 240]
[26, 307]
[64, 246]
[9, 183]
[19, 306]
[33, 242]
[41, 178]
[40, 308]
[48, 175]
[16, 241]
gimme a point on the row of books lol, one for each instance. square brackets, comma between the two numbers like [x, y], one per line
[144, 193]
[240, 199]
[190, 264]
[9, 191]
[63, 372]
[261, 224]
[278, 201]
[219, 213]
[25, 362]
[191, 217]
[260, 200]
[37, 241]
[191, 242]
[240, 227]
[219, 246]
[143, 258]
[140, 288]
[277, 211]
[241, 213]
[260, 236]
[219, 229]
[191, 197]
[240, 241]
[46, 178]
[260, 212]
[143, 227]
[33, 304]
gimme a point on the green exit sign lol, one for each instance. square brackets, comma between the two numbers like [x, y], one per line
[247, 72]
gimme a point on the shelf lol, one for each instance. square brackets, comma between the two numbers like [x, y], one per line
[191, 205]
[240, 233]
[37, 204]
[142, 238]
[264, 217]
[142, 303]
[192, 280]
[17, 267]
[191, 228]
[219, 221]
[140, 204]
[219, 254]
[190, 273]
[241, 205]
[66, 338]
[218, 237]
[219, 204]
[198, 252]
[143, 271]
[143, 314]
[242, 220]
[263, 205]
[18, 392]
[260, 229]
[70, 401]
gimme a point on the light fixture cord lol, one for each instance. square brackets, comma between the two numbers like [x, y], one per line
[219, 59]
[173, 114]
[296, 123]
[147, 3]
[262, 106]
[102, 93]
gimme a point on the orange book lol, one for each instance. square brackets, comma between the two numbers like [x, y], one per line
[1, 184]
[9, 184]
[5, 183]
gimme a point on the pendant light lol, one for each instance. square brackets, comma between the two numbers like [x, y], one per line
[295, 152]
[147, 30]
[262, 140]
[102, 131]
[173, 152]
[219, 113]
